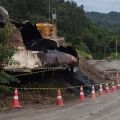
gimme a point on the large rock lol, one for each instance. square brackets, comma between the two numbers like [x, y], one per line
[4, 16]
[34, 59]
[15, 39]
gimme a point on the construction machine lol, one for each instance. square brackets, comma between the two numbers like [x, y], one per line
[49, 30]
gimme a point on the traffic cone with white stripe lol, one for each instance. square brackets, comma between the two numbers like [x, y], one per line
[113, 87]
[118, 85]
[15, 101]
[93, 93]
[59, 100]
[117, 75]
[82, 96]
[107, 89]
[100, 90]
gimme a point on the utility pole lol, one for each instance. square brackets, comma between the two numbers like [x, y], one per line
[49, 11]
[54, 16]
[105, 46]
[104, 52]
[116, 47]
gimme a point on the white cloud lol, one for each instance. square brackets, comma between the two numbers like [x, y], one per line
[100, 5]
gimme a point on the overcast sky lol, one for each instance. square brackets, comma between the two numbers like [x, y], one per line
[100, 5]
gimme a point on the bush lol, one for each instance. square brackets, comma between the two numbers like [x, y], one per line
[5, 55]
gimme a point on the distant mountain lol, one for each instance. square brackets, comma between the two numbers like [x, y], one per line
[110, 20]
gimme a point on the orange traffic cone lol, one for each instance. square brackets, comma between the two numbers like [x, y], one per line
[107, 89]
[101, 90]
[118, 85]
[113, 87]
[82, 96]
[59, 100]
[93, 93]
[117, 75]
[15, 101]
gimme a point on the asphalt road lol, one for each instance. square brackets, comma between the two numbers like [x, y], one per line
[106, 107]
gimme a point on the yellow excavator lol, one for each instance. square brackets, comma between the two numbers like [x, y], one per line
[49, 30]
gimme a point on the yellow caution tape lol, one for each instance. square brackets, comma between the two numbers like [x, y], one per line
[43, 70]
[110, 82]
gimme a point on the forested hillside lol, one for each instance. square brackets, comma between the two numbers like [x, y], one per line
[88, 37]
[110, 20]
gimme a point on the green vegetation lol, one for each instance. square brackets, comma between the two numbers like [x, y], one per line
[111, 22]
[5, 55]
[88, 37]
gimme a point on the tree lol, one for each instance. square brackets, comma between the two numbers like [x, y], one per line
[5, 55]
[72, 22]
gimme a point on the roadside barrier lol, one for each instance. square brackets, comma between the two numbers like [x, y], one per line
[93, 92]
[46, 94]
[41, 70]
[107, 89]
[100, 89]
[118, 85]
[117, 75]
[82, 96]
[15, 101]
[59, 100]
[113, 87]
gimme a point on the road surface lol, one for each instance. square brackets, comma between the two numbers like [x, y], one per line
[106, 107]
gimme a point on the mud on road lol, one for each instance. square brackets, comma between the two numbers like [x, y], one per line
[106, 107]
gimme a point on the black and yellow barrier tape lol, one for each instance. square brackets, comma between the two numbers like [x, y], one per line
[43, 70]
[71, 87]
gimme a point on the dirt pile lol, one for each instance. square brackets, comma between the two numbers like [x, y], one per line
[15, 39]
[91, 72]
